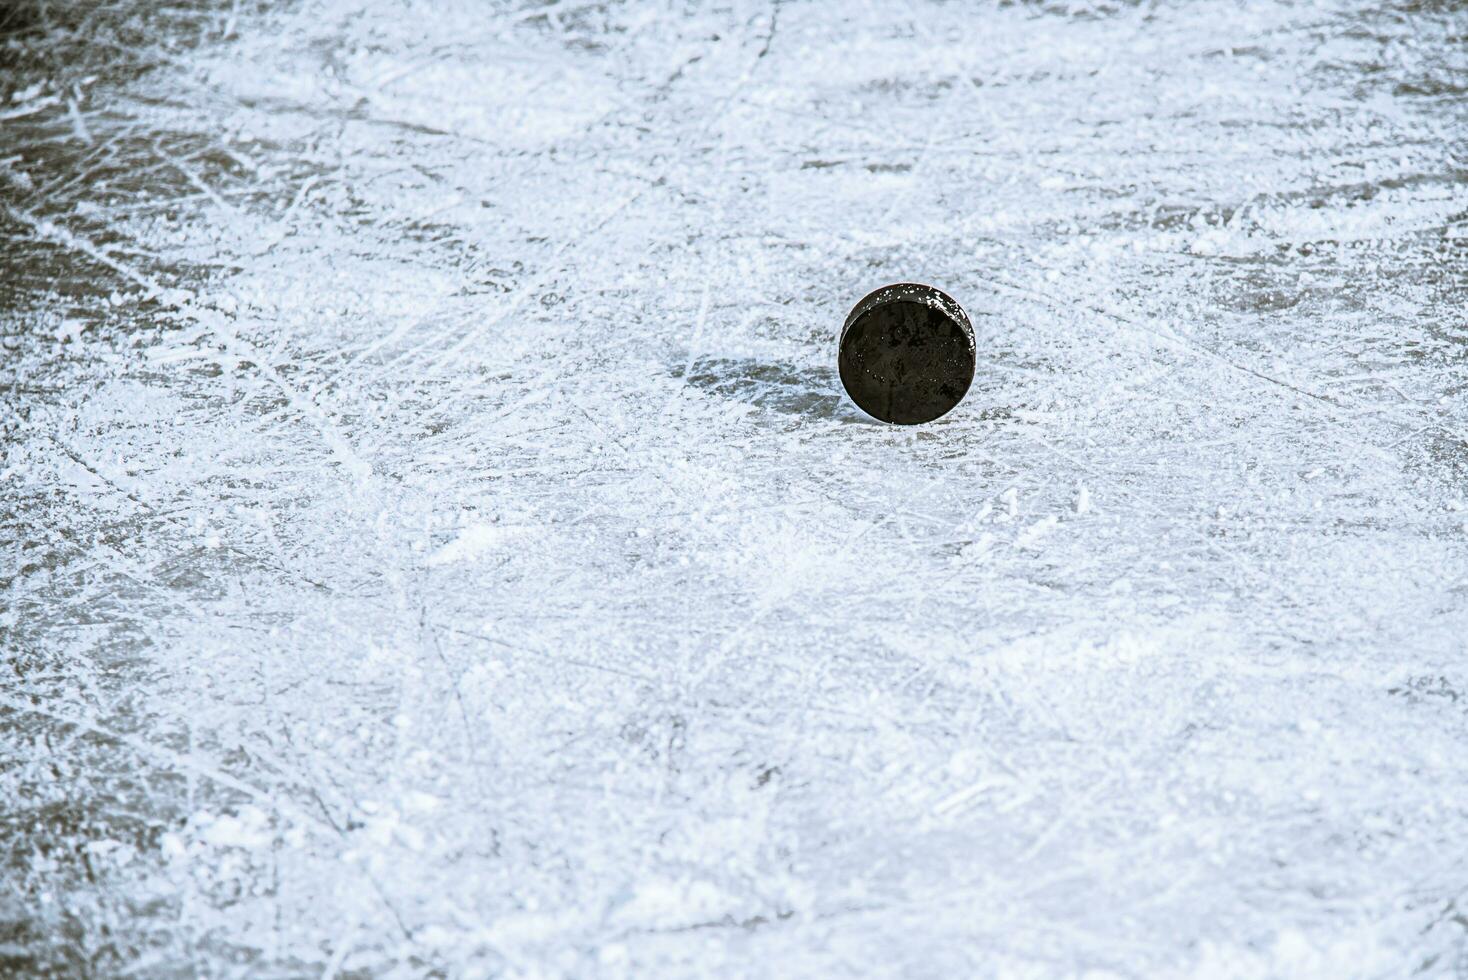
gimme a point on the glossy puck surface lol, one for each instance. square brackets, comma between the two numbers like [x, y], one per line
[907, 354]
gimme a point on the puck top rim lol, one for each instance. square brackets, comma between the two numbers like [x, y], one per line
[917, 292]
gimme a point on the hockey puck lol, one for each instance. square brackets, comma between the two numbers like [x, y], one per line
[907, 353]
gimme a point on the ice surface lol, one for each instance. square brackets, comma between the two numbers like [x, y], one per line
[433, 540]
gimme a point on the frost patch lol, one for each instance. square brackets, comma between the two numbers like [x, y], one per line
[247, 828]
[534, 107]
[1049, 652]
[474, 543]
[665, 902]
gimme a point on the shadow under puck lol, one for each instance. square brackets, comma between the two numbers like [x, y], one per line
[907, 353]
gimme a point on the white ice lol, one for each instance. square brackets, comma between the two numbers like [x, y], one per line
[434, 542]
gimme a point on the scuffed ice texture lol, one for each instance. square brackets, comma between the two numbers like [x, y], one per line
[433, 541]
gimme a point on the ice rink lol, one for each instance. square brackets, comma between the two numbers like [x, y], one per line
[434, 541]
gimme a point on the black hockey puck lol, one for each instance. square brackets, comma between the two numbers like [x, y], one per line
[907, 353]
